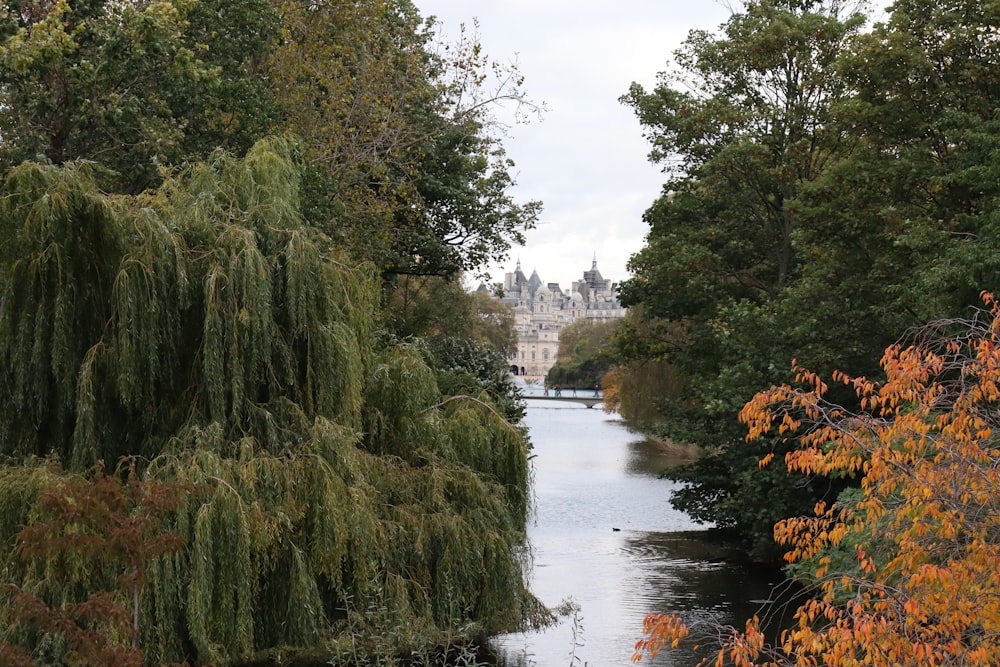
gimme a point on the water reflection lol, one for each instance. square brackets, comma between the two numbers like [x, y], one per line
[605, 536]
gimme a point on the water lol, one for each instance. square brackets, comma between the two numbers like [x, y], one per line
[604, 536]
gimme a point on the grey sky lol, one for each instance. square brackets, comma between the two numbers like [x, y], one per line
[586, 160]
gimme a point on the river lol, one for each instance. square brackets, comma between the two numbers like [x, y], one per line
[604, 536]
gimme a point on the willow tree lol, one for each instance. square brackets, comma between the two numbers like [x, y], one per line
[335, 493]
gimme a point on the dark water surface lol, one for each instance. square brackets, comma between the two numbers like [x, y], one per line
[604, 536]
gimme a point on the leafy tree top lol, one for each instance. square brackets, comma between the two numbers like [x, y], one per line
[406, 165]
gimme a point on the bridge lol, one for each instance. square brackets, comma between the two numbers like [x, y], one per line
[589, 401]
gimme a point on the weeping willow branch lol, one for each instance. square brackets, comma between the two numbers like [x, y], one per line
[207, 330]
[484, 404]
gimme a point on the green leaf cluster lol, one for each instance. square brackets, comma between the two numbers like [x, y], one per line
[132, 85]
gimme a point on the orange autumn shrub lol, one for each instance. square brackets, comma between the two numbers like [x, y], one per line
[921, 585]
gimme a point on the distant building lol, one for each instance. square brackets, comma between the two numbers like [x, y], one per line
[542, 310]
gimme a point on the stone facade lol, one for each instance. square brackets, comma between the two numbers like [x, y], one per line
[542, 310]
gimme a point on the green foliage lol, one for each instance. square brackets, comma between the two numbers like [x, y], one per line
[763, 496]
[210, 289]
[404, 161]
[431, 306]
[467, 338]
[353, 497]
[642, 383]
[743, 126]
[467, 218]
[131, 85]
[920, 185]
[327, 542]
[405, 167]
[336, 493]
[61, 245]
[831, 190]
[465, 366]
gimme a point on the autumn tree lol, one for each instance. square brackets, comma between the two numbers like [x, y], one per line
[902, 571]
[82, 561]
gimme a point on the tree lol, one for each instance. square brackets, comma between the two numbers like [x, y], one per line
[739, 147]
[903, 570]
[405, 163]
[405, 166]
[906, 220]
[468, 217]
[741, 128]
[132, 85]
[466, 366]
[432, 306]
[219, 317]
[340, 502]
[467, 335]
[582, 360]
[83, 560]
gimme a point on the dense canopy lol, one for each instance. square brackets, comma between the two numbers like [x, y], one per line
[402, 159]
[831, 186]
[833, 189]
[205, 329]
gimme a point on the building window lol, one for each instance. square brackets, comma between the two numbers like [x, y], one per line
[545, 355]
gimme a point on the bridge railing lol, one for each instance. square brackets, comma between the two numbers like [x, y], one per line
[589, 401]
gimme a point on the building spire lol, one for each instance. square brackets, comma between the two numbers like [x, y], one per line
[593, 267]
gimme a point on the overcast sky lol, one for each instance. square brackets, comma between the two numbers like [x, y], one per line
[586, 159]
